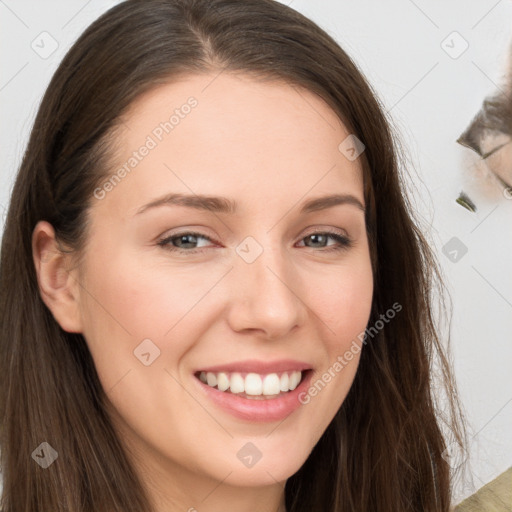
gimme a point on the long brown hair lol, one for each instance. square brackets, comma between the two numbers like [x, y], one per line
[383, 451]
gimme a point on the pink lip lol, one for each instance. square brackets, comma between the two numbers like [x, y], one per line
[261, 367]
[272, 409]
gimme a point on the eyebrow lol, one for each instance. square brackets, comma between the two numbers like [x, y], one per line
[224, 205]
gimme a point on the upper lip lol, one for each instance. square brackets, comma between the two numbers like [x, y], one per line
[257, 366]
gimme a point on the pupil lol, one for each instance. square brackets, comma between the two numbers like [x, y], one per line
[183, 239]
[316, 237]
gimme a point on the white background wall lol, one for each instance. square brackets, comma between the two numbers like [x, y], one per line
[431, 97]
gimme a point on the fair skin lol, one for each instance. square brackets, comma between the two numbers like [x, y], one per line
[270, 147]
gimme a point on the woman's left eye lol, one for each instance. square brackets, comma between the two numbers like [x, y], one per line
[343, 241]
[169, 243]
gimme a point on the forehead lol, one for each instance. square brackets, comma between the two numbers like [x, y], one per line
[232, 135]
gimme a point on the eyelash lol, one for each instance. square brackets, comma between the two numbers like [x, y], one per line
[343, 241]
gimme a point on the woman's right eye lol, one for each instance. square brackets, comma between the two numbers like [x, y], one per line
[187, 237]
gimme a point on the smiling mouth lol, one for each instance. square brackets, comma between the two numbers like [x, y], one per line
[253, 386]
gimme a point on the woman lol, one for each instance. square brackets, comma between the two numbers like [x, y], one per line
[255, 370]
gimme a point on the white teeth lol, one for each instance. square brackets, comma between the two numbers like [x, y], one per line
[271, 384]
[211, 379]
[253, 384]
[236, 383]
[284, 382]
[222, 381]
[294, 380]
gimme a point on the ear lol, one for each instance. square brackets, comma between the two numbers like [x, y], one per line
[57, 280]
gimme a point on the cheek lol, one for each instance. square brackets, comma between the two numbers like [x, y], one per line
[343, 299]
[134, 296]
[128, 299]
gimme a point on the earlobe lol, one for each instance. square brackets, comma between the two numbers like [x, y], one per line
[58, 284]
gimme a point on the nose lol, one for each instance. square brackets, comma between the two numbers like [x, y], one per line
[265, 295]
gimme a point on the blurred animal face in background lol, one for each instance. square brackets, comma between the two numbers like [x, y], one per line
[489, 135]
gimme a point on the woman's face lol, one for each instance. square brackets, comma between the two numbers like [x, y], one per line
[263, 290]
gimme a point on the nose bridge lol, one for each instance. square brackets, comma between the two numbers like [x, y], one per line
[262, 260]
[265, 295]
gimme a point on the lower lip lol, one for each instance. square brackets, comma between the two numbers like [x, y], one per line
[271, 409]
